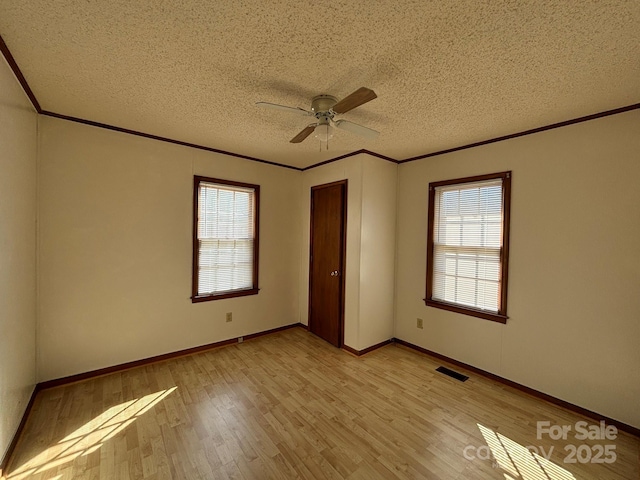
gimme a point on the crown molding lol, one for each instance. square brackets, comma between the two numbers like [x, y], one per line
[18, 73]
[25, 86]
[347, 155]
[163, 139]
[573, 121]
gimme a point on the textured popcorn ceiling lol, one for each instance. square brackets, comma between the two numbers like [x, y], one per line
[447, 73]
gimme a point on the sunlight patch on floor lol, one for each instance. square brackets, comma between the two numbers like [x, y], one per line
[91, 436]
[520, 463]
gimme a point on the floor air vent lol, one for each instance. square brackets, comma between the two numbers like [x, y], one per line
[452, 374]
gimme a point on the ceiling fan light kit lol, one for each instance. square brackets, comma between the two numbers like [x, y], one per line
[323, 131]
[324, 108]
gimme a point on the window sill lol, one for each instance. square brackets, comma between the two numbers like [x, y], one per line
[221, 296]
[494, 317]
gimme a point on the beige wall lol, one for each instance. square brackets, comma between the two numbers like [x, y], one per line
[116, 246]
[371, 209]
[574, 276]
[18, 130]
[377, 252]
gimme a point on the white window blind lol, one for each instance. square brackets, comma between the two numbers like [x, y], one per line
[467, 244]
[225, 238]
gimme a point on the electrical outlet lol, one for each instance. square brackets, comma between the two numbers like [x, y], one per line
[419, 322]
[240, 339]
[229, 316]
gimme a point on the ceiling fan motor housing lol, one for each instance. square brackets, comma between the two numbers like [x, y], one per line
[322, 104]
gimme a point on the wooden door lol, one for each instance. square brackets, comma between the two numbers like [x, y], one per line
[327, 260]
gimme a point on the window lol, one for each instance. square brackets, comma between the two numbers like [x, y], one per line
[468, 245]
[225, 239]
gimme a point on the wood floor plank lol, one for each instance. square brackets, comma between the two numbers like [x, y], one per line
[289, 405]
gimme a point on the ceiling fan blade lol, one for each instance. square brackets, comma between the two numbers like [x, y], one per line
[303, 134]
[275, 106]
[357, 98]
[357, 129]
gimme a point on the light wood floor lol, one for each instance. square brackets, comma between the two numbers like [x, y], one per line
[289, 405]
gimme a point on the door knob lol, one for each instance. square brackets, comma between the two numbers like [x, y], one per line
[335, 273]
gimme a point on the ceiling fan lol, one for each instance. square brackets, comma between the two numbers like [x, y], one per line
[324, 108]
